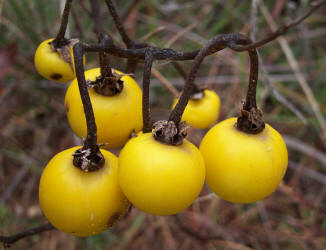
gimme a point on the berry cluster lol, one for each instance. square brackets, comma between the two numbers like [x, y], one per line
[84, 190]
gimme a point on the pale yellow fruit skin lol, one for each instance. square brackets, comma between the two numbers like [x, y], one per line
[48, 62]
[202, 113]
[116, 116]
[160, 179]
[240, 167]
[80, 203]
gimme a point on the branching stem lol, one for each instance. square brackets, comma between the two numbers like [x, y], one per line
[280, 31]
[118, 24]
[142, 51]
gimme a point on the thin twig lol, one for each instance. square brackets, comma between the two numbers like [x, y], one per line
[96, 16]
[280, 31]
[91, 138]
[118, 23]
[8, 240]
[147, 126]
[63, 26]
[209, 47]
[89, 158]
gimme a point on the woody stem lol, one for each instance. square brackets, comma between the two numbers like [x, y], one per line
[59, 39]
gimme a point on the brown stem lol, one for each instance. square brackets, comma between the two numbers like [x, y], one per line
[163, 54]
[169, 54]
[60, 38]
[108, 83]
[253, 78]
[131, 66]
[8, 240]
[131, 63]
[147, 126]
[89, 158]
[106, 70]
[250, 120]
[118, 23]
[96, 15]
[236, 42]
[216, 42]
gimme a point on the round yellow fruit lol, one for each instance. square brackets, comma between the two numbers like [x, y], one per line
[50, 64]
[160, 179]
[116, 116]
[241, 167]
[202, 113]
[81, 203]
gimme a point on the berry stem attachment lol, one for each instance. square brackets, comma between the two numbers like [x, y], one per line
[250, 120]
[147, 126]
[60, 40]
[253, 78]
[106, 70]
[108, 83]
[89, 157]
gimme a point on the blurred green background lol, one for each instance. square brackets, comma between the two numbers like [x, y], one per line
[291, 92]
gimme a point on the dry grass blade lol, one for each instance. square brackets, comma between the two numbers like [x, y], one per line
[151, 34]
[304, 148]
[296, 69]
[165, 82]
[181, 34]
[311, 173]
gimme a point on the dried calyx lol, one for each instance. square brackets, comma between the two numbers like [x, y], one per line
[251, 122]
[168, 133]
[108, 85]
[63, 47]
[87, 160]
